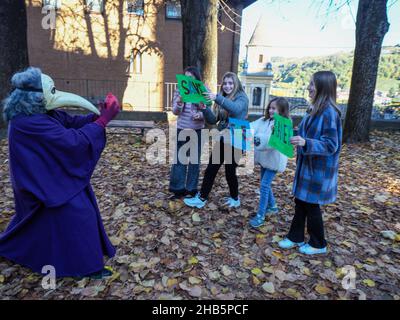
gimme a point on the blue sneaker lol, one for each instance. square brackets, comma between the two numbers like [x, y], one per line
[288, 244]
[232, 203]
[257, 221]
[195, 202]
[272, 210]
[307, 249]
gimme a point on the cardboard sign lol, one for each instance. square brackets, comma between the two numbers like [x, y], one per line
[240, 134]
[191, 90]
[280, 137]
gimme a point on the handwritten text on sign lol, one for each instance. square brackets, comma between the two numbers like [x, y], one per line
[191, 90]
[280, 138]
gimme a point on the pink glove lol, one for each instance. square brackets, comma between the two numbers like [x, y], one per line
[110, 110]
[110, 99]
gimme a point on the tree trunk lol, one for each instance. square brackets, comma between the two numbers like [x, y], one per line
[14, 45]
[200, 38]
[371, 26]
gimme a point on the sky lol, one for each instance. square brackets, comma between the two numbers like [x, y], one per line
[298, 28]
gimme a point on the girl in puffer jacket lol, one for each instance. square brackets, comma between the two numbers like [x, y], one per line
[185, 175]
[270, 160]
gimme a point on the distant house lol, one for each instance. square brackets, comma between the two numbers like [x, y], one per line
[130, 47]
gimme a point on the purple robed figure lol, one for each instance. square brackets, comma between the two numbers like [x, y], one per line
[52, 156]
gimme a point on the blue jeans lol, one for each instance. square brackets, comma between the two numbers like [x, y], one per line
[267, 199]
[185, 177]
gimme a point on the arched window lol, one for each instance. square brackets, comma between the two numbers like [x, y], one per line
[257, 96]
[135, 63]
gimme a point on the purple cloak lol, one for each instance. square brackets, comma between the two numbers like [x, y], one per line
[57, 222]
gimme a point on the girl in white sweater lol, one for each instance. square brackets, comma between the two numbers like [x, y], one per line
[270, 160]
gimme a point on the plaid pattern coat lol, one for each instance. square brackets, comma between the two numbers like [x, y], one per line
[317, 162]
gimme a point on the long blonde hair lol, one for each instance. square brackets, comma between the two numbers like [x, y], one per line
[325, 84]
[237, 88]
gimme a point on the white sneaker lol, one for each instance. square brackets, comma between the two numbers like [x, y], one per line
[232, 203]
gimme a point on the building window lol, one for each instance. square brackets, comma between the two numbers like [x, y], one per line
[257, 96]
[173, 9]
[260, 58]
[135, 62]
[136, 7]
[96, 6]
[56, 4]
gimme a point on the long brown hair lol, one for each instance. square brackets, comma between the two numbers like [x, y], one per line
[237, 88]
[282, 106]
[237, 85]
[325, 84]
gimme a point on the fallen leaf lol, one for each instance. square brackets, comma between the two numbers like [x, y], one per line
[292, 293]
[171, 282]
[214, 275]
[196, 217]
[269, 287]
[281, 275]
[226, 271]
[115, 240]
[247, 262]
[256, 282]
[277, 254]
[256, 271]
[389, 234]
[195, 291]
[194, 280]
[193, 260]
[321, 289]
[165, 240]
[148, 283]
[306, 271]
[369, 282]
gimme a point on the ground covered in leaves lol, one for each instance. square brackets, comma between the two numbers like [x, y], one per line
[168, 251]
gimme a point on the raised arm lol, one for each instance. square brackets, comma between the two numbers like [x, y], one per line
[235, 107]
[72, 121]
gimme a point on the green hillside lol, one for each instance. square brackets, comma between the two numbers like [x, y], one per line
[296, 73]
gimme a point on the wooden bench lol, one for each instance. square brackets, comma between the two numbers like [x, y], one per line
[142, 125]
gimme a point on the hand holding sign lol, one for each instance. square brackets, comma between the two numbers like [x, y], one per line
[210, 96]
[298, 141]
[177, 97]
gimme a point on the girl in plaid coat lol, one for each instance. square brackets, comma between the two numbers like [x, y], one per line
[318, 145]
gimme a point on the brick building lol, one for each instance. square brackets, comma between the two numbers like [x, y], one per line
[130, 47]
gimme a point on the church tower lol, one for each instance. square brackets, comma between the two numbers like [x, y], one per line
[257, 73]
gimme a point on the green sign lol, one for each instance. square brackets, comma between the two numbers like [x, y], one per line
[280, 137]
[191, 90]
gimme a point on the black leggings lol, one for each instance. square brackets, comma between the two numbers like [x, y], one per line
[315, 226]
[230, 170]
